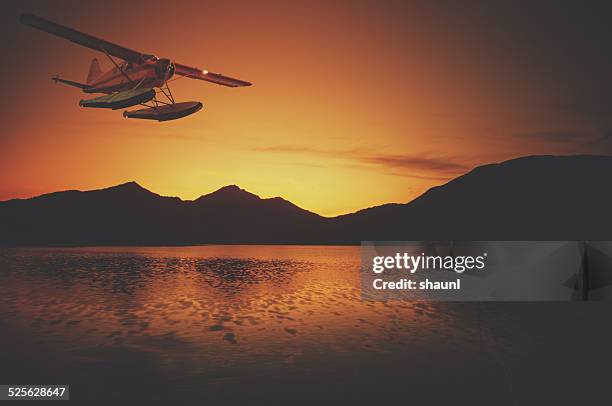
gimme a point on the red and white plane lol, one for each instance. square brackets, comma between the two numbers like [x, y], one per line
[137, 79]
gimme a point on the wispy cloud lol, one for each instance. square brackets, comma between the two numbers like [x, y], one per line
[422, 166]
[421, 163]
[564, 136]
[575, 141]
[293, 149]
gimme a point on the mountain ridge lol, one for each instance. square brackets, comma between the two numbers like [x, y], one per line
[535, 197]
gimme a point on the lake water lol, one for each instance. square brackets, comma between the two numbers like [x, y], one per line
[238, 324]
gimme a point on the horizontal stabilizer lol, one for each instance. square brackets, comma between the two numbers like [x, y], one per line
[70, 83]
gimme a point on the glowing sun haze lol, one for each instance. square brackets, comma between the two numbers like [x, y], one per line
[354, 103]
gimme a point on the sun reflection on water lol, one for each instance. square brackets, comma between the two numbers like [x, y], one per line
[211, 307]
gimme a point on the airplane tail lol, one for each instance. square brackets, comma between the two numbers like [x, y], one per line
[94, 71]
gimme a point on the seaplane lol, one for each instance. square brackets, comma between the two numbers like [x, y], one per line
[136, 79]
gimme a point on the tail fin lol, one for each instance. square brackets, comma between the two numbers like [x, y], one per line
[94, 71]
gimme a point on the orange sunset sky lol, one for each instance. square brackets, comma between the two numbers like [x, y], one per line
[354, 103]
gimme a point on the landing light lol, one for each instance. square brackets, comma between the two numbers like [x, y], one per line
[205, 72]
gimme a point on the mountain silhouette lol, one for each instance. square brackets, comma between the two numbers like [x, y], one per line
[129, 214]
[529, 198]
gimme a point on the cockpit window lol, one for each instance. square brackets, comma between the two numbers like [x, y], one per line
[148, 57]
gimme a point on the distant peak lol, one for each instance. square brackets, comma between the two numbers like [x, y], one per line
[229, 189]
[132, 184]
[128, 186]
[229, 192]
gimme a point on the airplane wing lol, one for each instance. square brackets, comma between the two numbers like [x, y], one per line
[80, 38]
[195, 73]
